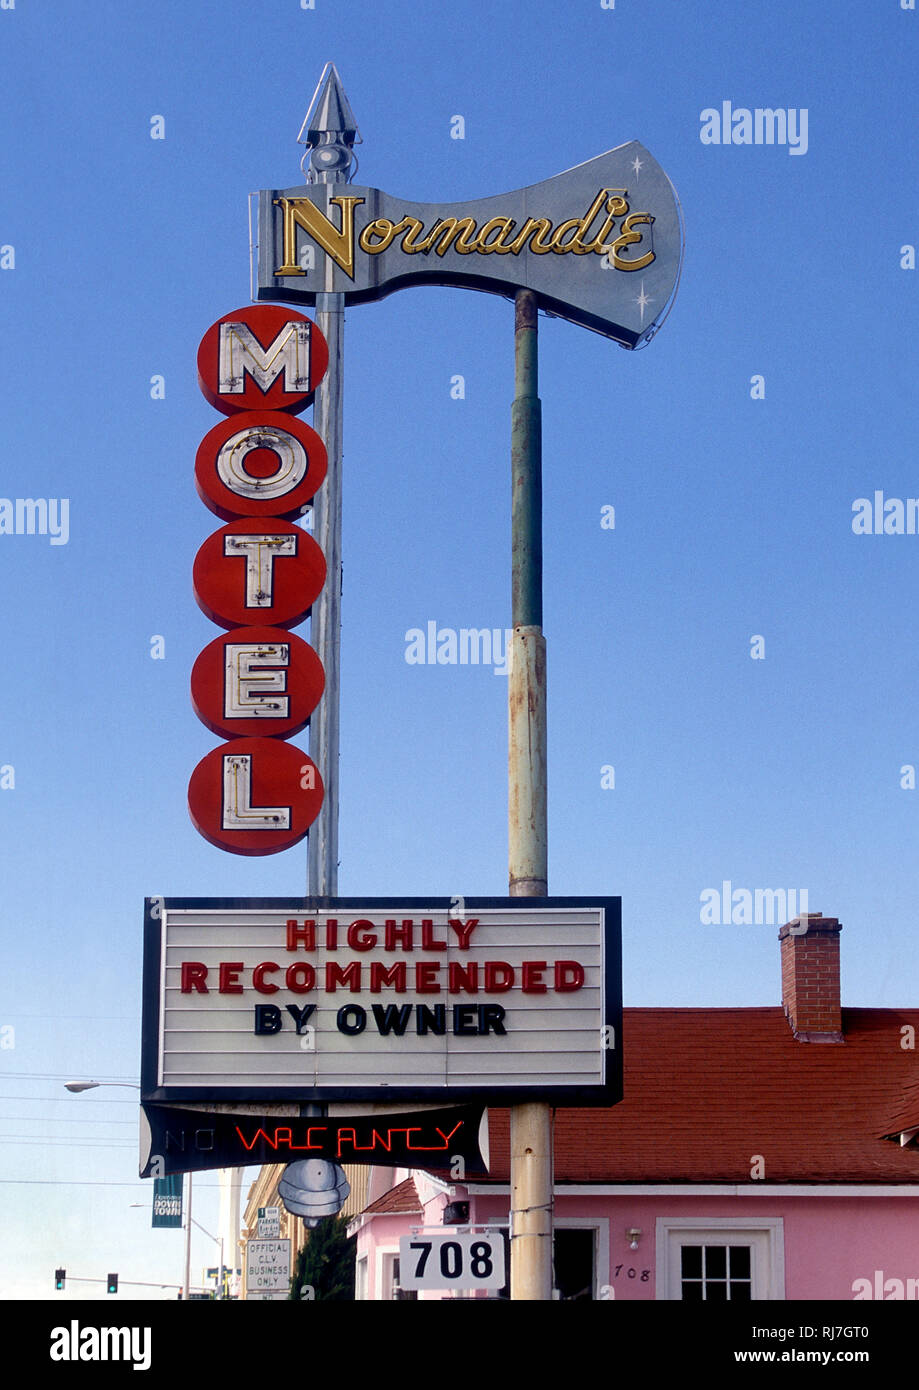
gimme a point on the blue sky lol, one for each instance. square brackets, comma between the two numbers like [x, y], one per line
[733, 514]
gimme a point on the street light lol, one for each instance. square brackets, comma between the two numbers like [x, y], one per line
[77, 1086]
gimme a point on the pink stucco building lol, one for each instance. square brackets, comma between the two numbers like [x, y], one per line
[762, 1153]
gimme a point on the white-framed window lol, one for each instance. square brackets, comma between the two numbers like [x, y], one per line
[722, 1259]
[390, 1288]
[360, 1279]
[580, 1257]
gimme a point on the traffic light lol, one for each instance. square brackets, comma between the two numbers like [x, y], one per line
[112, 1284]
[59, 1276]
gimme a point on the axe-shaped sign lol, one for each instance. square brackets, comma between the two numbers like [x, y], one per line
[600, 245]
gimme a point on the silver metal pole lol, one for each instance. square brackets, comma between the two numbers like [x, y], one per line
[322, 863]
[330, 132]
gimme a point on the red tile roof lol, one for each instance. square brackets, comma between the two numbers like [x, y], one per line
[905, 1114]
[403, 1198]
[707, 1089]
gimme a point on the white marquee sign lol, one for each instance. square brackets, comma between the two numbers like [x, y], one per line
[387, 999]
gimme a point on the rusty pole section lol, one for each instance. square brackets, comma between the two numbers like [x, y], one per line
[531, 1124]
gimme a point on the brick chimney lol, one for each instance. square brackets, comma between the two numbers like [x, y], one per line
[810, 977]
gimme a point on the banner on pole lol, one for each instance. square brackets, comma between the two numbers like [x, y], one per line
[167, 1200]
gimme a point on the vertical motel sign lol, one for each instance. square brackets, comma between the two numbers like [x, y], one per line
[257, 577]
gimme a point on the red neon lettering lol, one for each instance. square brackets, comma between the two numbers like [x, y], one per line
[425, 977]
[292, 1145]
[281, 1135]
[463, 977]
[341, 1139]
[463, 931]
[258, 977]
[259, 1133]
[300, 978]
[383, 1139]
[375, 1134]
[297, 933]
[194, 975]
[228, 981]
[331, 934]
[393, 933]
[532, 981]
[358, 937]
[349, 975]
[569, 975]
[394, 976]
[447, 1137]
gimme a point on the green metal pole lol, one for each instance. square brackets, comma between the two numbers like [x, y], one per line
[526, 468]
